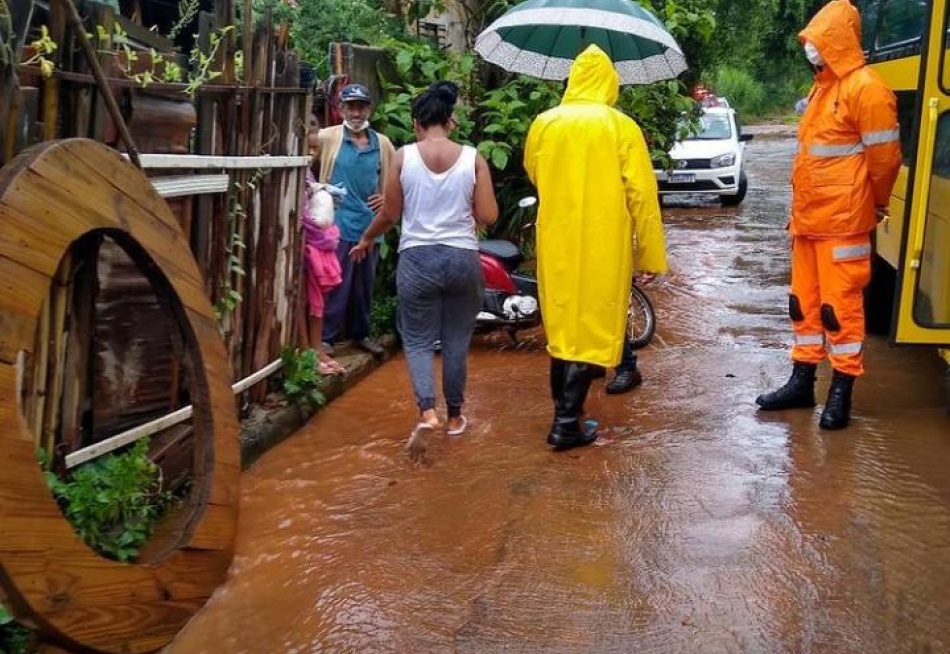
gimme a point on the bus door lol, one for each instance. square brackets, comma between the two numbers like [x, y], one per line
[923, 289]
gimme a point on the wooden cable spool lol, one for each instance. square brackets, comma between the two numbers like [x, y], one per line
[51, 196]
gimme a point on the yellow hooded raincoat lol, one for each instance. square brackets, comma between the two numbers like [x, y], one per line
[597, 189]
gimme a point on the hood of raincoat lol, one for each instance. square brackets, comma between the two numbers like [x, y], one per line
[593, 78]
[836, 31]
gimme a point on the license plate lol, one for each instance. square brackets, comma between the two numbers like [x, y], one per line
[682, 178]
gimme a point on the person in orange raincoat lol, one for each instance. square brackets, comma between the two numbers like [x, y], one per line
[848, 158]
[596, 186]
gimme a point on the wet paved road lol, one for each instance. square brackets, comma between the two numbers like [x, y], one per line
[695, 526]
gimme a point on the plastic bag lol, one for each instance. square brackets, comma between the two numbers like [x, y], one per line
[321, 204]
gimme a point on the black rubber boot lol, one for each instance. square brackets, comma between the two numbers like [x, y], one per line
[558, 367]
[797, 393]
[625, 380]
[567, 431]
[837, 412]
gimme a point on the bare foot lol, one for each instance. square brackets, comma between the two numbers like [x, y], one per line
[418, 445]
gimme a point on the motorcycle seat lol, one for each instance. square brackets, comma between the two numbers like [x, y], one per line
[505, 251]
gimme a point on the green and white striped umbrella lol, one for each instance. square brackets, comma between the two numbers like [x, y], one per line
[541, 38]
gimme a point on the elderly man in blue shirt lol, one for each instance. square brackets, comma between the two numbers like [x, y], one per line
[357, 158]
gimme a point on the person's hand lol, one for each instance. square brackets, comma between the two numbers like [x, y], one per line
[375, 202]
[642, 279]
[883, 213]
[359, 251]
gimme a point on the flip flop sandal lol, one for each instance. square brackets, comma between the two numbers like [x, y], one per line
[460, 430]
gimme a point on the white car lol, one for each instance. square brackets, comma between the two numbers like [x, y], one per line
[711, 161]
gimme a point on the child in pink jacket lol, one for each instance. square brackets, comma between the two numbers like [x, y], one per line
[321, 266]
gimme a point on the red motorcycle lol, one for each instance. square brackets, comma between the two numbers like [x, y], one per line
[511, 296]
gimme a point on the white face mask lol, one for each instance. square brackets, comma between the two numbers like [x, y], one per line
[356, 126]
[812, 54]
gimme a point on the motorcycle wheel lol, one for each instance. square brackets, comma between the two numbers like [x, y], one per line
[641, 319]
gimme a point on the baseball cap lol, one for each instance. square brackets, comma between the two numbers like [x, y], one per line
[355, 93]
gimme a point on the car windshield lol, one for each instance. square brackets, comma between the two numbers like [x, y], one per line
[713, 128]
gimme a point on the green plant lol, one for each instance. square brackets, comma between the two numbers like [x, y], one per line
[229, 297]
[114, 501]
[505, 114]
[416, 66]
[300, 377]
[14, 637]
[383, 315]
[745, 93]
[42, 47]
[321, 22]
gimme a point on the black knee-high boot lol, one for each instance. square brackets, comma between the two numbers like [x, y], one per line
[575, 378]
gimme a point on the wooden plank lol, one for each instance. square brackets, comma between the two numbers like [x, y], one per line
[180, 185]
[76, 366]
[56, 341]
[205, 162]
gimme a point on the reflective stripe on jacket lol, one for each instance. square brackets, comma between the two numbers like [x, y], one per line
[849, 142]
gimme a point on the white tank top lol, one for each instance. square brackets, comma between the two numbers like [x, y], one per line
[437, 207]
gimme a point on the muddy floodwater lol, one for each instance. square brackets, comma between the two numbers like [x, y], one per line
[694, 525]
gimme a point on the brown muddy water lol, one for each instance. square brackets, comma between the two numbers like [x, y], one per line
[695, 524]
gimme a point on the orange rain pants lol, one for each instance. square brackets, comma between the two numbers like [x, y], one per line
[826, 303]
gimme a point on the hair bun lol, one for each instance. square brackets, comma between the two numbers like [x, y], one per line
[448, 92]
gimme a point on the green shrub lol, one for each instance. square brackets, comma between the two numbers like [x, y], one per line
[745, 94]
[14, 637]
[114, 501]
[383, 316]
[300, 377]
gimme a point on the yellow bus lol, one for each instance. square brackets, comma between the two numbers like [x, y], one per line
[907, 42]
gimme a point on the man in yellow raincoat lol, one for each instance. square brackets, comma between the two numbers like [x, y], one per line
[848, 158]
[596, 187]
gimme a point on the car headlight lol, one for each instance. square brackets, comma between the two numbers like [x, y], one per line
[723, 160]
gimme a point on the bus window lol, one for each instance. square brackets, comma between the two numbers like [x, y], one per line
[932, 296]
[868, 10]
[944, 63]
[906, 115]
[901, 21]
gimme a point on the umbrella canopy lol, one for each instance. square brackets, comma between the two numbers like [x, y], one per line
[541, 38]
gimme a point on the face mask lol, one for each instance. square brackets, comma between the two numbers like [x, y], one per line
[356, 126]
[812, 54]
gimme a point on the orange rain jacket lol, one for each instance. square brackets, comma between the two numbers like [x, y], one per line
[849, 148]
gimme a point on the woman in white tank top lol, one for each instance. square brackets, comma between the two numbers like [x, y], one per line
[444, 192]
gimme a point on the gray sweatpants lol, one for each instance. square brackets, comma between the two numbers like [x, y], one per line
[440, 291]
